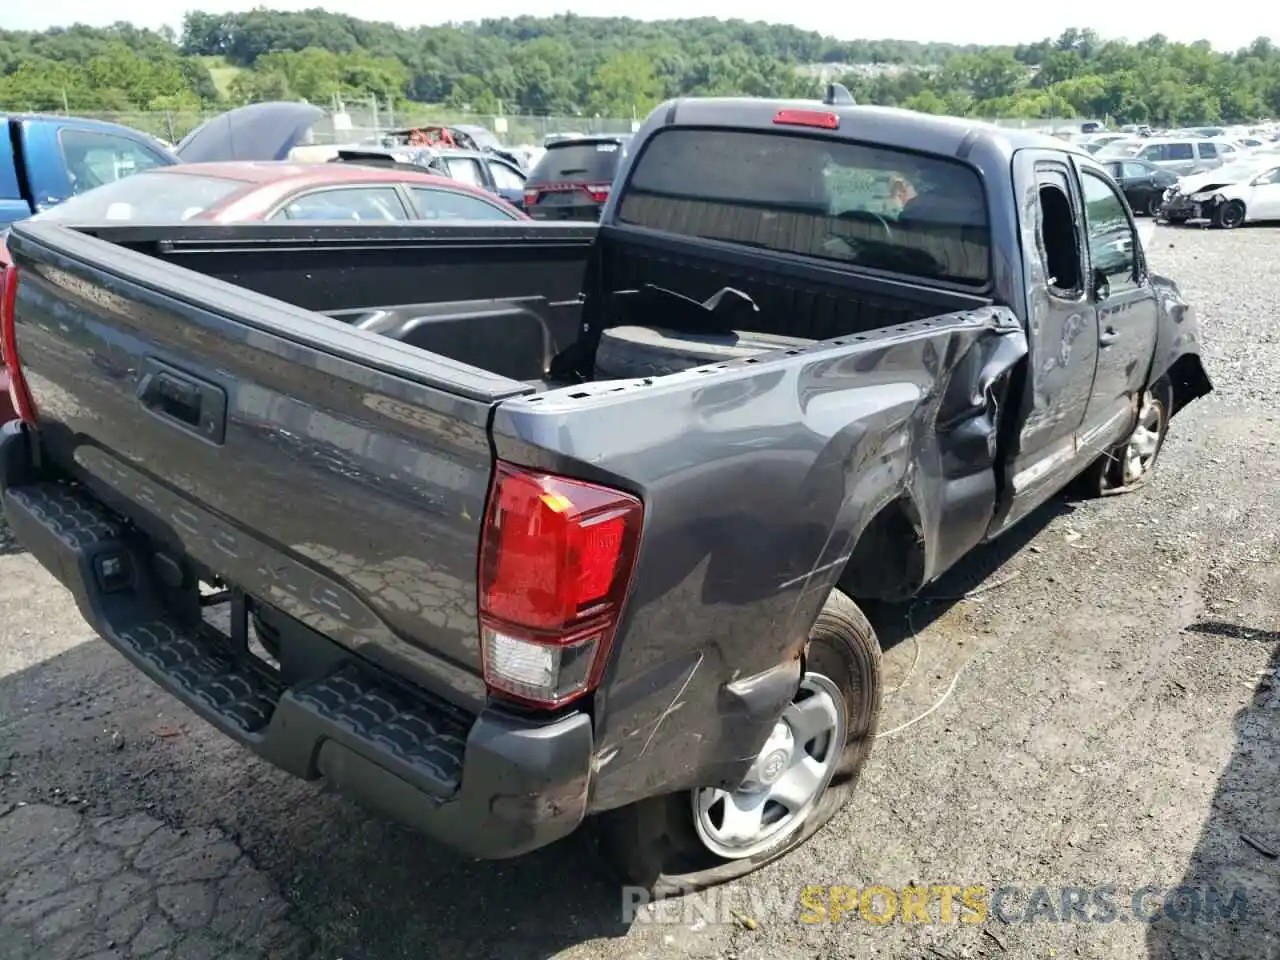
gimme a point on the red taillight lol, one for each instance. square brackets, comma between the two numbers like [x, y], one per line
[808, 118]
[530, 197]
[555, 567]
[18, 394]
[599, 192]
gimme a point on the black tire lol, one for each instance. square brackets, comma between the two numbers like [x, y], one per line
[1230, 215]
[653, 843]
[626, 352]
[1105, 476]
[1154, 205]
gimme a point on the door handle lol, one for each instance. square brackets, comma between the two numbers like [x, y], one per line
[1108, 336]
[173, 396]
[186, 402]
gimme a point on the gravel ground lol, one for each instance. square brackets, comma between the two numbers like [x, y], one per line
[1112, 724]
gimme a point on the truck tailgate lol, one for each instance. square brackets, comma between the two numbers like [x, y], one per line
[337, 476]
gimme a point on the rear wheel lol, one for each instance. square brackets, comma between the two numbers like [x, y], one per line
[802, 776]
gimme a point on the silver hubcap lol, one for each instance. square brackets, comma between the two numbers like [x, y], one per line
[1140, 451]
[783, 785]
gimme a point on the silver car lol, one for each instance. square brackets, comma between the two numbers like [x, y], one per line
[1187, 156]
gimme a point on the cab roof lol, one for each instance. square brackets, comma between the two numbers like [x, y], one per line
[890, 126]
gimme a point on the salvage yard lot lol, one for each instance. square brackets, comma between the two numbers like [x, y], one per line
[1112, 721]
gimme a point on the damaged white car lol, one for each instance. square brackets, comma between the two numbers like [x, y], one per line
[1232, 195]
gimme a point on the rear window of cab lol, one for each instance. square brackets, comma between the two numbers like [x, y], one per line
[865, 205]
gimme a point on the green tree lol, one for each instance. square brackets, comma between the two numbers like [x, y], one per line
[566, 64]
[624, 84]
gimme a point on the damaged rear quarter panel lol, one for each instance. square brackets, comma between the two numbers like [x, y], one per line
[1177, 352]
[757, 477]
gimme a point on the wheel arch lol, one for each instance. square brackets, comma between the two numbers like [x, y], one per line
[889, 558]
[1188, 381]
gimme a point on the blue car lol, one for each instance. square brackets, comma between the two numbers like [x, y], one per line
[46, 158]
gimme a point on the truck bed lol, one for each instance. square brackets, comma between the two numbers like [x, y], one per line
[313, 416]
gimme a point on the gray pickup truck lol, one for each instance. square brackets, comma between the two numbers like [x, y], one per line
[508, 528]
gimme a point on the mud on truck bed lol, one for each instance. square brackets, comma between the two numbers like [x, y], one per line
[514, 527]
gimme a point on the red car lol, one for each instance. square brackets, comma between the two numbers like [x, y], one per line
[240, 191]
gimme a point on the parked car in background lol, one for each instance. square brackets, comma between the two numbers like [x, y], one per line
[474, 167]
[486, 171]
[259, 131]
[46, 159]
[1095, 143]
[1188, 155]
[422, 159]
[1144, 184]
[281, 191]
[441, 137]
[573, 179]
[1230, 196]
[484, 139]
[1118, 149]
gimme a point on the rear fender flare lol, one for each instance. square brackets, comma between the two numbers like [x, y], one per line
[1177, 355]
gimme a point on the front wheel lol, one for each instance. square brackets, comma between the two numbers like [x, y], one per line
[803, 774]
[1154, 206]
[1230, 215]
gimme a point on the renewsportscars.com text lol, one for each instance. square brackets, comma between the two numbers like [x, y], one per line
[942, 904]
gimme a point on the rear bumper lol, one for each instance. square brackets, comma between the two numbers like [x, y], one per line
[490, 786]
[589, 213]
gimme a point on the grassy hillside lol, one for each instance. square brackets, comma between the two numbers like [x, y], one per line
[222, 72]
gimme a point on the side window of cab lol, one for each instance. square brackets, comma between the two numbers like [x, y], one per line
[1112, 239]
[1058, 236]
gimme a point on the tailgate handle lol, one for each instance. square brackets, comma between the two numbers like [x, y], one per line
[184, 401]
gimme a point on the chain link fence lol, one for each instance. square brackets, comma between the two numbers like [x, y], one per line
[358, 122]
[354, 124]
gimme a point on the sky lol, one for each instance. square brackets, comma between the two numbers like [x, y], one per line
[1001, 22]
